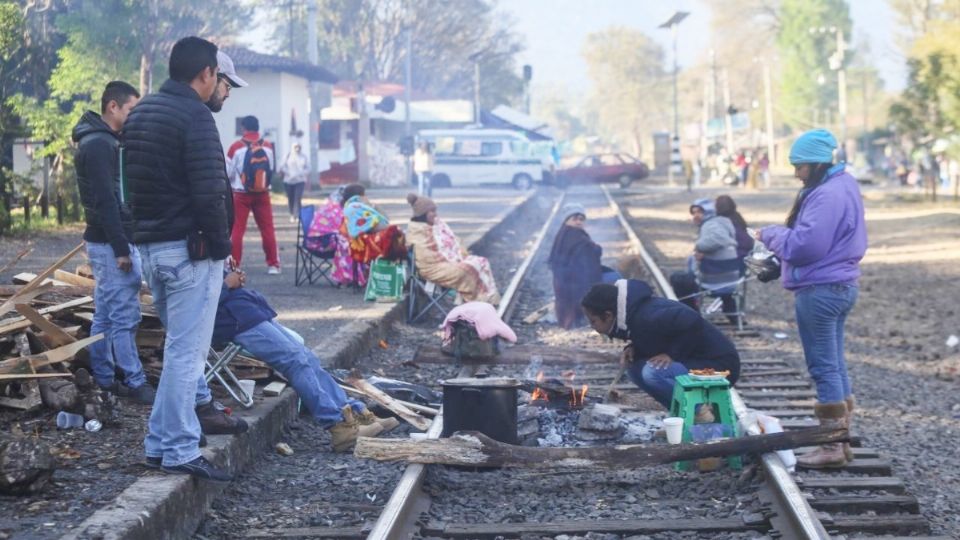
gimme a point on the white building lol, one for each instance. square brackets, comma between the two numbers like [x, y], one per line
[278, 95]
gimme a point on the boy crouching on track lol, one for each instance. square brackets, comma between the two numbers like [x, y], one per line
[666, 338]
[245, 318]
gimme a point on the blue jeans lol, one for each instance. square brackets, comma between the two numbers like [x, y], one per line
[821, 313]
[270, 342]
[185, 294]
[656, 382]
[117, 315]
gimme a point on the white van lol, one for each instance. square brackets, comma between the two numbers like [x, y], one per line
[470, 157]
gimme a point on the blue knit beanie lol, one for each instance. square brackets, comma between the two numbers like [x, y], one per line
[815, 146]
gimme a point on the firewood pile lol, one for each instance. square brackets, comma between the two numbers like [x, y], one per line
[45, 322]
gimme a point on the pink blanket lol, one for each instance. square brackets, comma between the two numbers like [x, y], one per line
[484, 318]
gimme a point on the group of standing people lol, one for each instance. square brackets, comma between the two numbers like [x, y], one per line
[171, 217]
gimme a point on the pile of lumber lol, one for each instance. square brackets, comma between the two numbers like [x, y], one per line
[45, 322]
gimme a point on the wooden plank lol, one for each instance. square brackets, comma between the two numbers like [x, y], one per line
[390, 403]
[37, 281]
[521, 354]
[763, 361]
[74, 279]
[865, 466]
[857, 504]
[29, 364]
[773, 384]
[23, 278]
[854, 483]
[15, 260]
[763, 404]
[474, 449]
[754, 373]
[787, 413]
[858, 453]
[15, 324]
[781, 394]
[27, 376]
[538, 314]
[310, 532]
[54, 333]
[893, 524]
[423, 409]
[23, 297]
[581, 527]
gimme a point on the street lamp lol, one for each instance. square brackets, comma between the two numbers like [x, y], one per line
[675, 163]
[836, 64]
[475, 58]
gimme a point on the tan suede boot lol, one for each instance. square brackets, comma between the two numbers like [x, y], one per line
[366, 417]
[344, 435]
[847, 451]
[829, 455]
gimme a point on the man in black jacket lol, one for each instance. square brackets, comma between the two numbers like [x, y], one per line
[108, 236]
[182, 218]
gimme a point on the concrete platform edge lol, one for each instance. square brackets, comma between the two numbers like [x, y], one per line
[166, 507]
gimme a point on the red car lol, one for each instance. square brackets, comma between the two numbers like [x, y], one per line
[621, 168]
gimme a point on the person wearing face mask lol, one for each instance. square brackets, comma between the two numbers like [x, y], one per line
[665, 338]
[442, 260]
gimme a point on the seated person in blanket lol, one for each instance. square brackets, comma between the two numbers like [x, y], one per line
[245, 318]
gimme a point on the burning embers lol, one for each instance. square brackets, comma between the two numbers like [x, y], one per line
[557, 393]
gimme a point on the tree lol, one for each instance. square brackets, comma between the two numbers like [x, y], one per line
[806, 41]
[630, 95]
[365, 40]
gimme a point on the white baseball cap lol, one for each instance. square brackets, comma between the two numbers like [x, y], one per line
[225, 63]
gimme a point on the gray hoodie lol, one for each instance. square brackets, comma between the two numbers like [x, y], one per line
[718, 243]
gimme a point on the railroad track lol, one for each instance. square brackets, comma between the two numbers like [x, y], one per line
[862, 499]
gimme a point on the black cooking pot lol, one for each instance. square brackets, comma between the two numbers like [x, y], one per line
[485, 405]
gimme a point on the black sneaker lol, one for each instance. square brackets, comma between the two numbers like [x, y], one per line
[202, 469]
[155, 462]
[143, 394]
[216, 422]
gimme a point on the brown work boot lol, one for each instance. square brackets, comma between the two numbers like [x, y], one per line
[847, 451]
[344, 435]
[216, 422]
[831, 455]
[366, 417]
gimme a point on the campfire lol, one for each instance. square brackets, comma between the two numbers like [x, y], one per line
[557, 393]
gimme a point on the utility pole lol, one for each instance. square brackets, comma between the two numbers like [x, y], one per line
[363, 135]
[676, 165]
[768, 117]
[407, 81]
[728, 118]
[842, 90]
[476, 90]
[313, 55]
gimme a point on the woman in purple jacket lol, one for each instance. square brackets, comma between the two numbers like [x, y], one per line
[820, 248]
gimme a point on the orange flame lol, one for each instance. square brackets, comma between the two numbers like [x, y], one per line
[538, 394]
[576, 399]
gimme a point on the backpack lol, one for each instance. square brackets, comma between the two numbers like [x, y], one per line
[256, 173]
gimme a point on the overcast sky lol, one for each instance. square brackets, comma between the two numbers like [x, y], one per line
[554, 32]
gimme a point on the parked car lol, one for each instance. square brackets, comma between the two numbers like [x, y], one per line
[620, 168]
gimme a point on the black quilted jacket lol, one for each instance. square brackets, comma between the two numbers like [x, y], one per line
[174, 167]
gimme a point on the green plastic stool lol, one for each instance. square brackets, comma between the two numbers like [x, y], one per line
[688, 393]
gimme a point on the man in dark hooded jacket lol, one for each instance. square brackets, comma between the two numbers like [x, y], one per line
[667, 338]
[114, 259]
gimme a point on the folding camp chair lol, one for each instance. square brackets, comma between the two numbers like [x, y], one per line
[433, 294]
[218, 367]
[716, 288]
[313, 263]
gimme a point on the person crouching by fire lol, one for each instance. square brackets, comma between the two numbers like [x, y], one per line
[665, 338]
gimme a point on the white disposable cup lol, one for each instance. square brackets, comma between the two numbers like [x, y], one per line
[674, 428]
[67, 420]
[248, 385]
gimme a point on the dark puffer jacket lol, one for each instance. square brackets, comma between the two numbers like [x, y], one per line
[662, 326]
[98, 180]
[175, 170]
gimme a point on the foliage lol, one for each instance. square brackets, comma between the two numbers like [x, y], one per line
[630, 86]
[807, 83]
[366, 40]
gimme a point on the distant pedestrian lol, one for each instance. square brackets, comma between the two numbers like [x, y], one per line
[820, 247]
[175, 167]
[295, 169]
[109, 239]
[251, 165]
[423, 164]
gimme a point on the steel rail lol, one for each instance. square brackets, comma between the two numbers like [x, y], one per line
[803, 520]
[407, 499]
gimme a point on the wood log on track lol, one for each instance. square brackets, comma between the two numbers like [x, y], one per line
[388, 402]
[475, 449]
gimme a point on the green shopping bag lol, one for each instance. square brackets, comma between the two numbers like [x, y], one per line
[385, 283]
